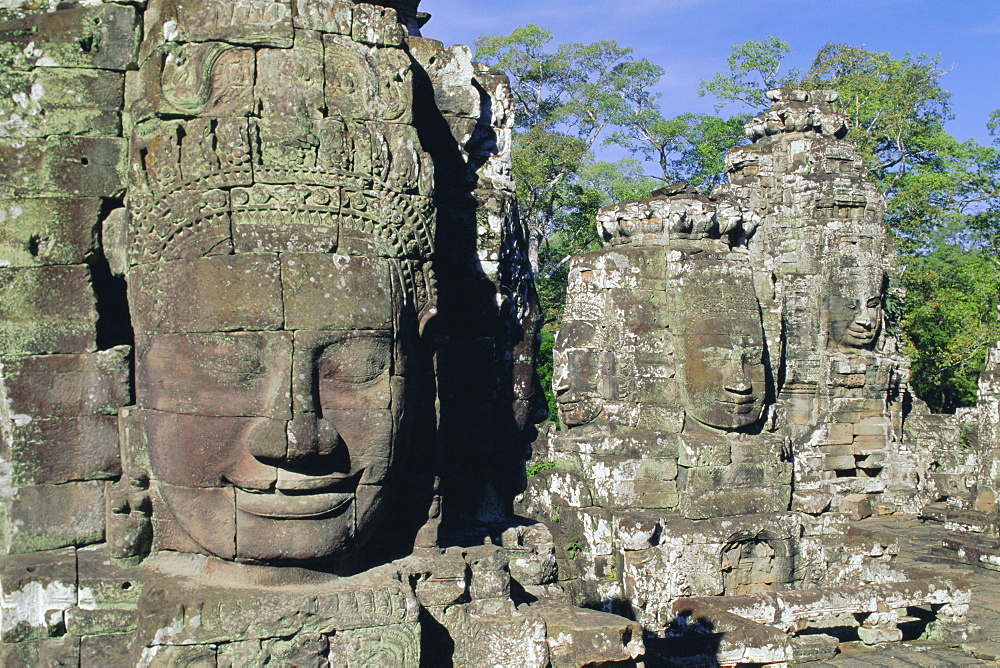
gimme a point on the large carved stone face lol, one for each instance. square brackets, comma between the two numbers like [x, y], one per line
[719, 341]
[576, 372]
[274, 394]
[854, 308]
[721, 371]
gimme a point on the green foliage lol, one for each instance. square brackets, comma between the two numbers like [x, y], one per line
[943, 198]
[565, 100]
[690, 147]
[949, 321]
[573, 231]
[753, 70]
[534, 468]
[965, 435]
[573, 548]
[893, 104]
[543, 366]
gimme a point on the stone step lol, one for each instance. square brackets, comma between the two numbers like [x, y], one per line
[987, 651]
[960, 520]
[935, 512]
[938, 560]
[976, 550]
[970, 521]
[939, 552]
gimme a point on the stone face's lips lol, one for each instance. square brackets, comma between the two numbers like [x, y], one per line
[290, 506]
[863, 334]
[739, 403]
[289, 481]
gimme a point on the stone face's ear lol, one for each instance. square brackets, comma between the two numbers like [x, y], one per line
[426, 317]
[114, 240]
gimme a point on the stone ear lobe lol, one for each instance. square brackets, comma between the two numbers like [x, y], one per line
[114, 240]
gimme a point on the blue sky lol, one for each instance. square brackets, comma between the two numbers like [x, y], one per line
[690, 39]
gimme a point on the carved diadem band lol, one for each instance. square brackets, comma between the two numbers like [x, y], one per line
[674, 212]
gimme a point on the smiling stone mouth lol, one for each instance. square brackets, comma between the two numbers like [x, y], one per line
[278, 504]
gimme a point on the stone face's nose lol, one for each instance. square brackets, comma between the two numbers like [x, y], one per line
[310, 435]
[738, 380]
[865, 317]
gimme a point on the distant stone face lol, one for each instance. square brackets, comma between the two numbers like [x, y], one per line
[854, 306]
[720, 342]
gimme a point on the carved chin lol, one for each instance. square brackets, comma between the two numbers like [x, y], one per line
[728, 415]
[858, 339]
[573, 413]
[275, 539]
[230, 523]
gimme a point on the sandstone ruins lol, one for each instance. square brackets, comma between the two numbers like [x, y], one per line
[267, 335]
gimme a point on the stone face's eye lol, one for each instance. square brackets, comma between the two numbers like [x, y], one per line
[874, 302]
[355, 360]
[851, 305]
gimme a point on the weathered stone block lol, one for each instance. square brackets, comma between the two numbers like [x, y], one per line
[736, 501]
[812, 502]
[47, 231]
[377, 26]
[507, 639]
[289, 82]
[856, 506]
[37, 589]
[396, 645]
[333, 17]
[48, 517]
[59, 101]
[656, 494]
[166, 656]
[210, 79]
[655, 469]
[257, 23]
[81, 622]
[47, 386]
[324, 291]
[839, 462]
[371, 601]
[63, 651]
[103, 37]
[490, 577]
[578, 636]
[215, 294]
[106, 585]
[237, 374]
[46, 310]
[836, 450]
[58, 450]
[62, 166]
[699, 451]
[839, 432]
[104, 650]
[367, 84]
[450, 70]
[211, 441]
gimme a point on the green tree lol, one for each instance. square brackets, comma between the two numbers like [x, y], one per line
[753, 70]
[565, 100]
[949, 322]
